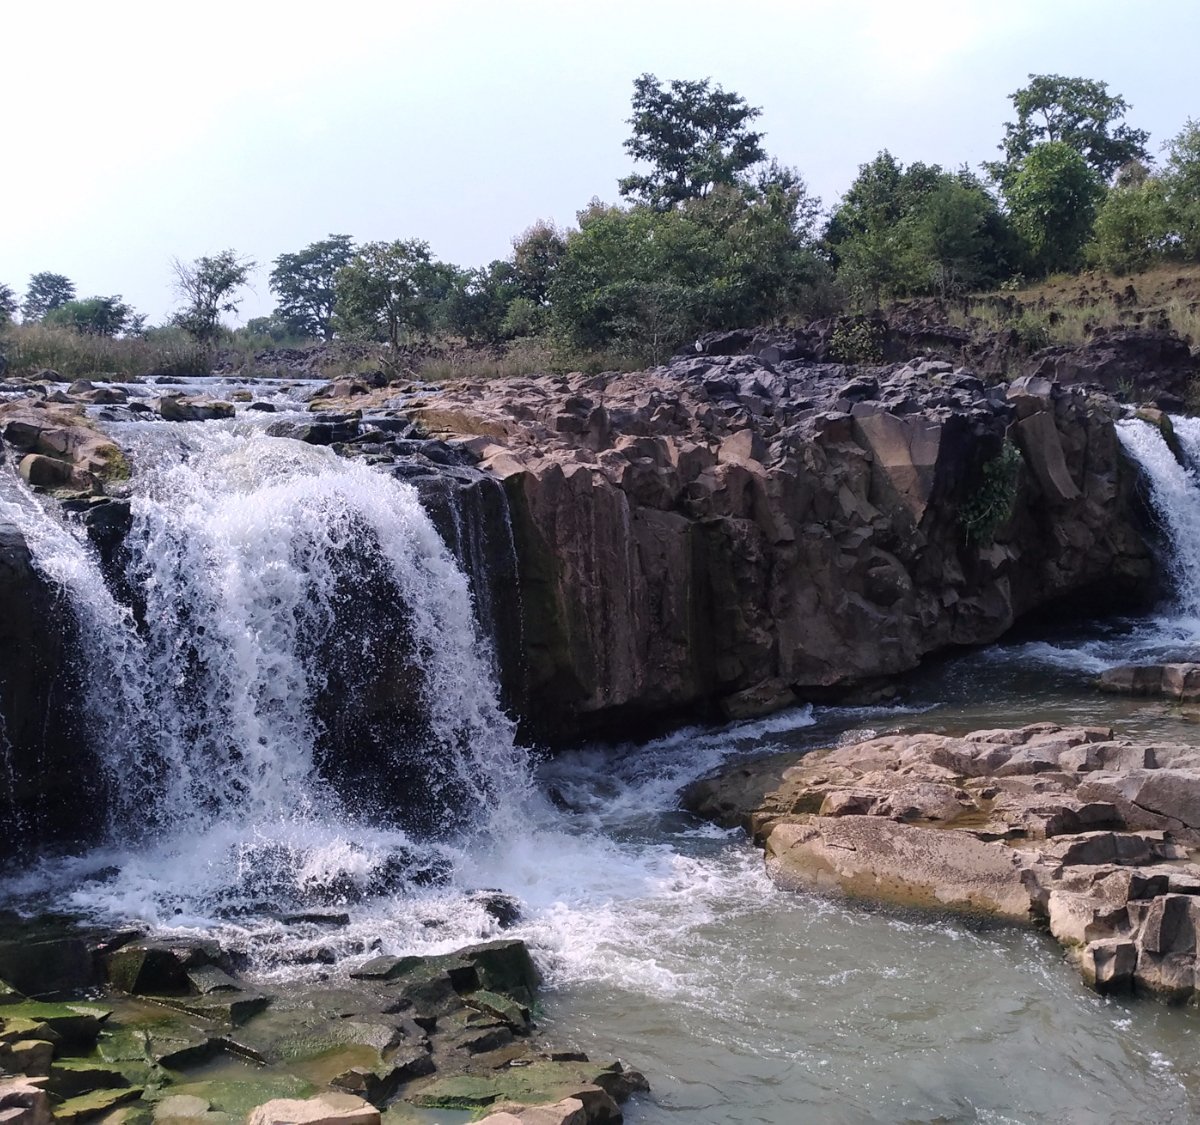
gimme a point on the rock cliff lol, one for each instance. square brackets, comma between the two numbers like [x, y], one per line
[725, 535]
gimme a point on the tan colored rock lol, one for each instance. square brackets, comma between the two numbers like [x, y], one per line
[24, 1102]
[870, 857]
[1093, 836]
[323, 1109]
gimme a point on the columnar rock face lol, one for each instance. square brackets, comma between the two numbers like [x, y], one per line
[728, 535]
[1092, 836]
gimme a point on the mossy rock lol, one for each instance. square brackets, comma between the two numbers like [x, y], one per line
[85, 1107]
[75, 1024]
[71, 1077]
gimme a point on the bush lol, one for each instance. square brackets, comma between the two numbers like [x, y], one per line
[990, 506]
[858, 341]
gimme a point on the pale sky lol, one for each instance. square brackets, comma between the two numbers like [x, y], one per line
[137, 131]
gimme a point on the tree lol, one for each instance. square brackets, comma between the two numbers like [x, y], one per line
[536, 255]
[207, 287]
[46, 291]
[693, 135]
[645, 281]
[1134, 226]
[902, 232]
[1052, 200]
[1181, 181]
[8, 304]
[304, 283]
[93, 316]
[389, 290]
[1078, 112]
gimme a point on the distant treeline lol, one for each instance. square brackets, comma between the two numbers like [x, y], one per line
[714, 233]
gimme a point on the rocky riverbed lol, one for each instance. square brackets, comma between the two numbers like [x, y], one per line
[111, 1027]
[1093, 837]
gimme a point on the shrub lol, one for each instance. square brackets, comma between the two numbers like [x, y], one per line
[990, 506]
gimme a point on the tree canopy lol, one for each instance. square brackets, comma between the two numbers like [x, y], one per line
[208, 288]
[95, 316]
[1079, 112]
[304, 282]
[390, 290]
[1052, 199]
[46, 292]
[695, 136]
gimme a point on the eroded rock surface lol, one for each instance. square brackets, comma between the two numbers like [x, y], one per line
[1094, 837]
[728, 535]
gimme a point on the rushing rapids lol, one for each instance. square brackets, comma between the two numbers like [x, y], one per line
[260, 573]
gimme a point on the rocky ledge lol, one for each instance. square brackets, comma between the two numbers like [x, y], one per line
[728, 535]
[112, 1028]
[1091, 836]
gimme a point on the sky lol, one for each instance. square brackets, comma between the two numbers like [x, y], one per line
[137, 132]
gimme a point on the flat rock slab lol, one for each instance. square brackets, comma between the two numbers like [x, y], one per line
[1068, 827]
[324, 1109]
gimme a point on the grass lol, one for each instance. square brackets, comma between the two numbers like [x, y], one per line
[1069, 309]
[36, 348]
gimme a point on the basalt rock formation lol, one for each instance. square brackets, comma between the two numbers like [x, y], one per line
[725, 535]
[1091, 836]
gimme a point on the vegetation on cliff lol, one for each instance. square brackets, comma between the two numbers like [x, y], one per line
[712, 233]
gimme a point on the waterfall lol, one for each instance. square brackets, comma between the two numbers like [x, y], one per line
[298, 705]
[1175, 498]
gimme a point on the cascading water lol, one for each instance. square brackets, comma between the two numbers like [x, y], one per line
[270, 580]
[1175, 497]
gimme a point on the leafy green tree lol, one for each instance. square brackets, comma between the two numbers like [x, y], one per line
[304, 284]
[390, 290]
[536, 255]
[1052, 199]
[8, 304]
[208, 288]
[93, 316]
[1079, 112]
[949, 236]
[1181, 181]
[645, 281]
[273, 328]
[693, 135]
[1134, 226]
[908, 231]
[46, 292]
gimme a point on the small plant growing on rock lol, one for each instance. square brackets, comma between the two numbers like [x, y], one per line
[856, 342]
[990, 506]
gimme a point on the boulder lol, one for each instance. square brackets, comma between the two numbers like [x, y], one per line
[181, 408]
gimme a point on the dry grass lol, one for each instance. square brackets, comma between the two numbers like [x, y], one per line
[1069, 309]
[36, 348]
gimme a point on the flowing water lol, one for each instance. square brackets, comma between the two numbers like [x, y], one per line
[660, 937]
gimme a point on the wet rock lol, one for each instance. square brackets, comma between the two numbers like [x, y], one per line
[1168, 681]
[74, 1024]
[43, 967]
[95, 1103]
[26, 1056]
[386, 968]
[736, 534]
[505, 909]
[1091, 835]
[181, 408]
